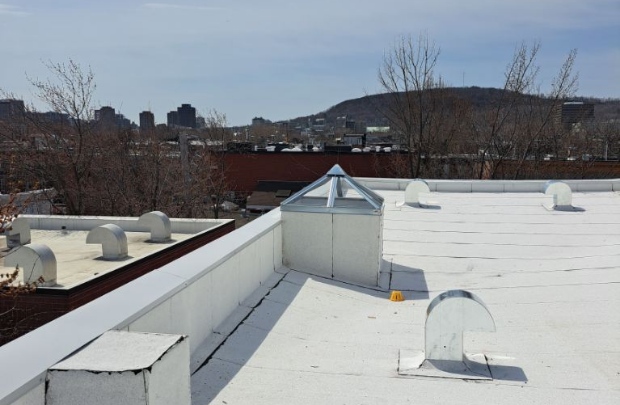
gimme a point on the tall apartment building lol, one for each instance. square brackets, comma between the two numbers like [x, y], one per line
[258, 121]
[147, 121]
[574, 112]
[106, 117]
[122, 122]
[11, 109]
[184, 116]
[187, 116]
[173, 119]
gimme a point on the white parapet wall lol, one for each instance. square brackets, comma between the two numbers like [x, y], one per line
[190, 296]
[129, 224]
[491, 186]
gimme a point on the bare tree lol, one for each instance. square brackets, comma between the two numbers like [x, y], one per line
[407, 78]
[135, 173]
[209, 168]
[519, 126]
[8, 212]
[70, 92]
[12, 317]
[57, 148]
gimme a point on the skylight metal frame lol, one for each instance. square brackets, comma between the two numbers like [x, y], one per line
[337, 178]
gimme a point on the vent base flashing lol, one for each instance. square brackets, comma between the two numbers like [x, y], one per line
[473, 366]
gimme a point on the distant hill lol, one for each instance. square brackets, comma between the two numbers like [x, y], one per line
[367, 109]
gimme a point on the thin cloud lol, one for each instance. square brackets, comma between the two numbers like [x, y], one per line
[6, 9]
[295, 52]
[170, 6]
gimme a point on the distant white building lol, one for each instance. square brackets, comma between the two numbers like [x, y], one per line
[38, 202]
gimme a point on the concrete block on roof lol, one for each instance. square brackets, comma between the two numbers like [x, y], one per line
[123, 368]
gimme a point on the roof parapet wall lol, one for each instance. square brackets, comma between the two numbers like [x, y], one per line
[491, 186]
[129, 224]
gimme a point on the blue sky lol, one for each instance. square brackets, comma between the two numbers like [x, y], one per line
[281, 59]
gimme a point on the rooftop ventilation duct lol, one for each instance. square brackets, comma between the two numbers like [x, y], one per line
[413, 190]
[19, 234]
[562, 196]
[333, 228]
[129, 368]
[448, 316]
[36, 262]
[112, 239]
[159, 225]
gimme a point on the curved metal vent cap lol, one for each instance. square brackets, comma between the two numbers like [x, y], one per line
[335, 192]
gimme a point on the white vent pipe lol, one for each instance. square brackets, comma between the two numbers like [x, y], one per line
[447, 317]
[158, 224]
[36, 261]
[562, 194]
[413, 190]
[19, 233]
[112, 239]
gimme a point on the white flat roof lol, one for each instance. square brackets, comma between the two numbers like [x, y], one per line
[550, 279]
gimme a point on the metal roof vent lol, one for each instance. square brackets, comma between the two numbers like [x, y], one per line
[562, 196]
[412, 195]
[413, 190]
[335, 192]
[19, 234]
[36, 261]
[159, 225]
[449, 315]
[112, 239]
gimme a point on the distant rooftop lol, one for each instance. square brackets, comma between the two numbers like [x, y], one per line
[78, 261]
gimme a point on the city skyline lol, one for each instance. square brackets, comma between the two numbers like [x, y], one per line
[281, 60]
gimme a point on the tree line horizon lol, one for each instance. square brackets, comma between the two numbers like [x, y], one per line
[112, 171]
